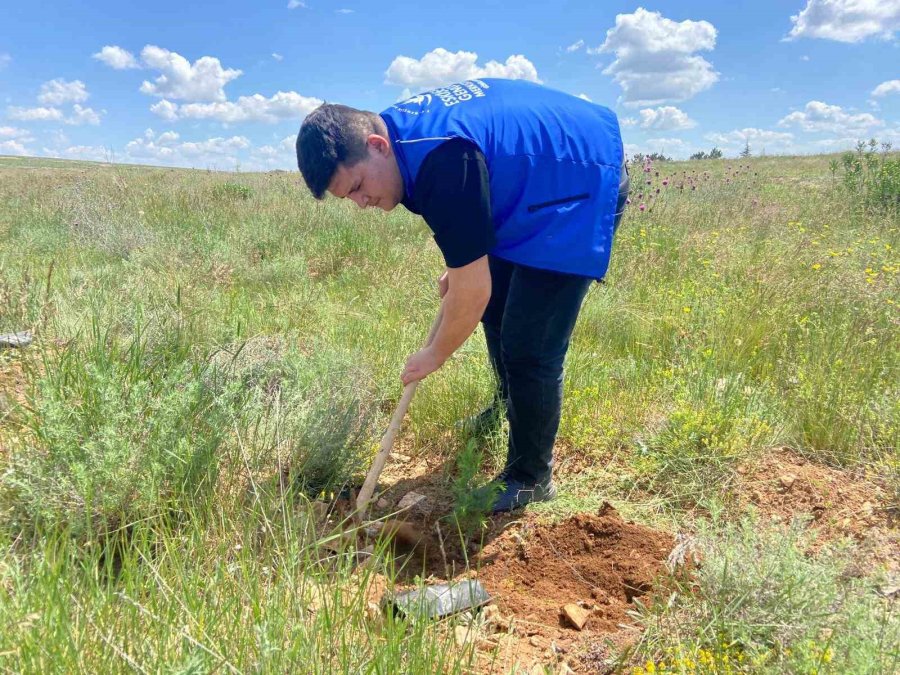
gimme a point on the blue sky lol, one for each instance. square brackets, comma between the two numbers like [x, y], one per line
[226, 84]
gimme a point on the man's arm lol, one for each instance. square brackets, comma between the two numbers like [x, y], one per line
[468, 292]
[453, 196]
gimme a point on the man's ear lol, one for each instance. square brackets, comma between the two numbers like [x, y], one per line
[379, 143]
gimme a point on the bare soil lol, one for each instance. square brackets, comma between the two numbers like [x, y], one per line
[597, 561]
[602, 563]
[838, 503]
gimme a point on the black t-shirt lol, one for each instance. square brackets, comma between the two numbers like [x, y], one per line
[453, 196]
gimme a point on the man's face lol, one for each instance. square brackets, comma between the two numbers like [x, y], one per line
[374, 181]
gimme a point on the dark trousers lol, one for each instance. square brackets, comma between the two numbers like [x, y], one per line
[528, 323]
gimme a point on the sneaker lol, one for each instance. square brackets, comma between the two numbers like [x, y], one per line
[481, 424]
[517, 494]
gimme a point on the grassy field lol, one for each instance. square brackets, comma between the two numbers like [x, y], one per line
[213, 351]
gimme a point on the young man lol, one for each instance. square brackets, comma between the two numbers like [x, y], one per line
[523, 187]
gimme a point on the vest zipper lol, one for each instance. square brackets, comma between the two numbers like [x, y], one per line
[556, 202]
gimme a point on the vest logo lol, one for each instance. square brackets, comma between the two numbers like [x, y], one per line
[421, 99]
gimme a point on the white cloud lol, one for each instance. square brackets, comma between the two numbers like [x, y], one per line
[294, 4]
[804, 58]
[116, 57]
[441, 67]
[847, 20]
[277, 56]
[655, 60]
[283, 105]
[167, 149]
[16, 134]
[759, 139]
[585, 97]
[93, 153]
[5, 60]
[83, 116]
[278, 156]
[12, 148]
[885, 88]
[58, 91]
[821, 117]
[665, 118]
[202, 81]
[34, 114]
[668, 145]
[575, 46]
[343, 11]
[165, 109]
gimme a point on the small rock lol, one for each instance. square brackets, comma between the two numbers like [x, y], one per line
[787, 480]
[410, 500]
[538, 642]
[575, 615]
[867, 508]
[463, 634]
[756, 496]
[403, 459]
[382, 503]
[493, 618]
[890, 590]
[490, 612]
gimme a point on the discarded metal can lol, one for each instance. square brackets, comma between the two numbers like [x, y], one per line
[438, 600]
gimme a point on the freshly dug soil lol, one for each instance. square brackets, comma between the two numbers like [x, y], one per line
[597, 560]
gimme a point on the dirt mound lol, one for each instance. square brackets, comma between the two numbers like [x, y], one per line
[784, 485]
[596, 560]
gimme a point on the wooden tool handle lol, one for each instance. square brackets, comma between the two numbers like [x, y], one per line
[387, 441]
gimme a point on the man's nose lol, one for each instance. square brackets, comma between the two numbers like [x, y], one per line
[361, 200]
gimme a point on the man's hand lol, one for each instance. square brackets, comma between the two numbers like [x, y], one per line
[419, 365]
[444, 283]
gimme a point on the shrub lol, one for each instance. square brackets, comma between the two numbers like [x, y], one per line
[309, 416]
[115, 431]
[694, 455]
[872, 179]
[233, 191]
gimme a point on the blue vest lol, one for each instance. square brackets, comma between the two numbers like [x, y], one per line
[554, 162]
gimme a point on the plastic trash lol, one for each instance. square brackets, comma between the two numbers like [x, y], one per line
[439, 600]
[15, 340]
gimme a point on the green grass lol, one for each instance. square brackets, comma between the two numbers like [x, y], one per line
[200, 336]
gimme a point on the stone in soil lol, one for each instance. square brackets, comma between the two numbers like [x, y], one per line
[413, 501]
[575, 615]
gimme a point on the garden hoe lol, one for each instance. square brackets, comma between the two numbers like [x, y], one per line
[401, 531]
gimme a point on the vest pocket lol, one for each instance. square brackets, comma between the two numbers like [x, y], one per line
[556, 202]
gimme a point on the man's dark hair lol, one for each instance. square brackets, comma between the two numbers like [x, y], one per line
[333, 134]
